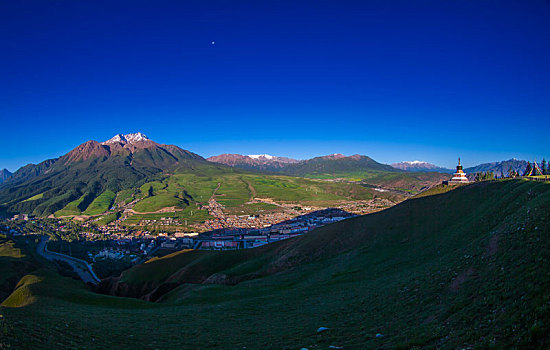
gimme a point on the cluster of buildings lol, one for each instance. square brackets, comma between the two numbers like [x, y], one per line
[242, 238]
[24, 217]
[115, 254]
[163, 221]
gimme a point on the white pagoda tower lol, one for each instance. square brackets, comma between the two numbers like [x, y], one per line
[459, 176]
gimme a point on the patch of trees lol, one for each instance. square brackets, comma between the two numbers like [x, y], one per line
[487, 175]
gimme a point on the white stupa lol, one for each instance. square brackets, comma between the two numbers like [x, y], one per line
[460, 175]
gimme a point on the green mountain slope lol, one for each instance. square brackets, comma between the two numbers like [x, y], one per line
[88, 171]
[462, 269]
[335, 164]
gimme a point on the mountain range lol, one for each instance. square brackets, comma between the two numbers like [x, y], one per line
[133, 172]
[263, 162]
[335, 165]
[338, 167]
[499, 168]
[116, 169]
[329, 165]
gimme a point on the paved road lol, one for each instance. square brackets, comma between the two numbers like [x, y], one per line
[81, 267]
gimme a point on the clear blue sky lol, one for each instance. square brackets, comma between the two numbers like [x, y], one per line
[395, 80]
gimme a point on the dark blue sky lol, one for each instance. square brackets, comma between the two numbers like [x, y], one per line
[395, 80]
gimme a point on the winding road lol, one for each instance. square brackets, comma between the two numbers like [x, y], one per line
[81, 267]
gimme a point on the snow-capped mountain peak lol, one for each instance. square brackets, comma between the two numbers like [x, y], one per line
[257, 156]
[128, 138]
[136, 137]
[418, 165]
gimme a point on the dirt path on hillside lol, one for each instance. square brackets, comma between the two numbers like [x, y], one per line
[213, 196]
[460, 279]
[251, 189]
[160, 211]
[492, 247]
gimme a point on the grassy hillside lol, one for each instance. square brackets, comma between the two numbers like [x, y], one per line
[461, 269]
[33, 198]
[73, 208]
[101, 203]
[15, 263]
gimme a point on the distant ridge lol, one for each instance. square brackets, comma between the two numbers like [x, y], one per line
[499, 168]
[264, 162]
[338, 167]
[324, 164]
[420, 166]
[336, 163]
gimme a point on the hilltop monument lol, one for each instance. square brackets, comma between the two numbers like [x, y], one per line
[459, 176]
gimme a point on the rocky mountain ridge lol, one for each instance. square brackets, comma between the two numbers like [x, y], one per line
[420, 166]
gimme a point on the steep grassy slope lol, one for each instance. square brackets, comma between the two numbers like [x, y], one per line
[466, 268]
[92, 172]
